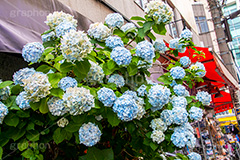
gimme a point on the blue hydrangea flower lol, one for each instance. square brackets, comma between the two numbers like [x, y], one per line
[179, 139]
[99, 31]
[117, 79]
[186, 93]
[67, 82]
[185, 61]
[78, 100]
[3, 111]
[204, 97]
[175, 44]
[179, 101]
[32, 52]
[114, 20]
[142, 90]
[179, 90]
[133, 94]
[128, 27]
[63, 122]
[4, 92]
[158, 124]
[173, 83]
[126, 108]
[194, 156]
[89, 134]
[145, 50]
[180, 115]
[167, 117]
[149, 81]
[158, 96]
[47, 37]
[106, 96]
[57, 107]
[145, 64]
[95, 74]
[186, 33]
[157, 136]
[113, 42]
[200, 67]
[177, 72]
[22, 101]
[64, 28]
[160, 46]
[22, 74]
[121, 56]
[196, 113]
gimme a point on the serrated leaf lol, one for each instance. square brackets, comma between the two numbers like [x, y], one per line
[54, 78]
[66, 67]
[137, 18]
[82, 68]
[11, 120]
[112, 118]
[5, 84]
[28, 153]
[22, 145]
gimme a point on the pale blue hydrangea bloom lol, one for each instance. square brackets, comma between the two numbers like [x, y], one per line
[57, 107]
[144, 64]
[32, 52]
[196, 113]
[141, 109]
[145, 50]
[186, 93]
[4, 92]
[142, 90]
[22, 74]
[173, 83]
[179, 101]
[117, 79]
[89, 134]
[121, 55]
[67, 82]
[180, 115]
[179, 90]
[133, 94]
[177, 72]
[186, 137]
[151, 82]
[157, 136]
[185, 61]
[63, 122]
[78, 100]
[204, 97]
[179, 139]
[37, 86]
[200, 67]
[158, 96]
[64, 28]
[22, 101]
[113, 42]
[126, 108]
[127, 27]
[186, 33]
[106, 96]
[194, 156]
[160, 46]
[175, 44]
[47, 37]
[75, 45]
[114, 20]
[158, 124]
[3, 112]
[99, 31]
[167, 117]
[95, 74]
[187, 126]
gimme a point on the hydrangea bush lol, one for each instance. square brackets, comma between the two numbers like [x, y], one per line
[56, 111]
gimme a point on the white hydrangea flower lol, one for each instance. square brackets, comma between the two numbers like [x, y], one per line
[158, 124]
[63, 122]
[157, 136]
[95, 73]
[99, 31]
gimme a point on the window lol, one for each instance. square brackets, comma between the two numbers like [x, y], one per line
[202, 24]
[142, 3]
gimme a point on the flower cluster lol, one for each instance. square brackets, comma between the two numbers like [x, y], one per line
[22, 101]
[145, 50]
[67, 82]
[128, 27]
[167, 117]
[133, 94]
[159, 11]
[22, 74]
[144, 64]
[200, 67]
[78, 100]
[186, 33]
[56, 106]
[47, 37]
[196, 113]
[175, 44]
[106, 96]
[185, 61]
[204, 97]
[117, 79]
[179, 90]
[32, 52]
[63, 122]
[158, 124]
[113, 42]
[4, 92]
[37, 86]
[141, 109]
[158, 96]
[3, 111]
[160, 46]
[177, 72]
[99, 31]
[157, 136]
[126, 108]
[55, 18]
[121, 56]
[114, 20]
[194, 156]
[75, 45]
[142, 90]
[64, 28]
[89, 134]
[179, 101]
[180, 115]
[95, 73]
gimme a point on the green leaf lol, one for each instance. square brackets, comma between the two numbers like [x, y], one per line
[1, 152]
[140, 23]
[48, 50]
[159, 28]
[150, 35]
[189, 99]
[141, 32]
[111, 64]
[66, 67]
[22, 145]
[18, 134]
[33, 135]
[112, 118]
[72, 127]
[54, 78]
[35, 105]
[118, 32]
[106, 70]
[131, 127]
[137, 18]
[11, 120]
[28, 153]
[108, 154]
[97, 154]
[23, 114]
[183, 157]
[132, 69]
[43, 108]
[5, 84]
[59, 135]
[30, 126]
[164, 79]
[147, 26]
[49, 57]
[16, 89]
[153, 146]
[82, 68]
[57, 92]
